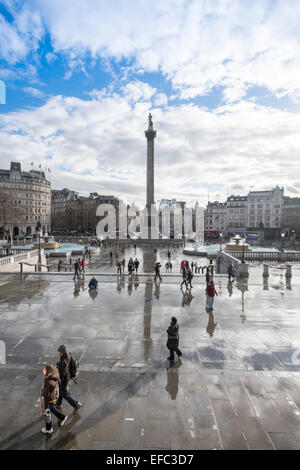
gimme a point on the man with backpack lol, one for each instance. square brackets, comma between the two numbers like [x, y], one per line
[67, 368]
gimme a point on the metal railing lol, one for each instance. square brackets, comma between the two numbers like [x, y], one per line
[267, 255]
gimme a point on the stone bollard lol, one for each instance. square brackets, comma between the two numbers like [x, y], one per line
[288, 272]
[266, 270]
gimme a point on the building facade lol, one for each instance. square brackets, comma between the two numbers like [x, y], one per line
[290, 215]
[264, 209]
[59, 200]
[25, 200]
[215, 216]
[237, 213]
[80, 213]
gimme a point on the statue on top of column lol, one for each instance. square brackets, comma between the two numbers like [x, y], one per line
[150, 122]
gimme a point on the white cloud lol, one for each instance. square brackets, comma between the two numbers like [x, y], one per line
[161, 100]
[34, 92]
[99, 145]
[136, 90]
[197, 45]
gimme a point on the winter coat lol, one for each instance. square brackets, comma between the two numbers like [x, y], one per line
[173, 336]
[64, 373]
[49, 385]
[211, 291]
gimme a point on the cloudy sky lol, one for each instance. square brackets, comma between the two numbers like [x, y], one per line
[221, 79]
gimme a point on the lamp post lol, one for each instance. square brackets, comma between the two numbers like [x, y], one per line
[282, 238]
[243, 254]
[4, 216]
[38, 230]
[221, 235]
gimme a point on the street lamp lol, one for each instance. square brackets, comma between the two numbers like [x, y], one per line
[243, 254]
[221, 235]
[4, 216]
[38, 230]
[282, 237]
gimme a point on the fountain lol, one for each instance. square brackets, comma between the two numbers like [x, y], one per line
[236, 244]
[47, 242]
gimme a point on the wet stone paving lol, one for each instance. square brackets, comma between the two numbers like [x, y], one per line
[236, 386]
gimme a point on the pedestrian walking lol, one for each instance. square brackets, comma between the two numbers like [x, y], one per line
[182, 266]
[67, 371]
[157, 271]
[189, 277]
[136, 265]
[211, 292]
[170, 266]
[173, 339]
[119, 267]
[196, 267]
[123, 264]
[130, 266]
[76, 270]
[167, 267]
[192, 266]
[83, 265]
[184, 279]
[79, 265]
[49, 395]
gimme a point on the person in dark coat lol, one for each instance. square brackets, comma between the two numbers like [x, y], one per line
[173, 339]
[136, 265]
[157, 271]
[189, 277]
[184, 279]
[76, 268]
[93, 283]
[65, 377]
[48, 394]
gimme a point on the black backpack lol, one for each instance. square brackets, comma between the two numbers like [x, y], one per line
[73, 367]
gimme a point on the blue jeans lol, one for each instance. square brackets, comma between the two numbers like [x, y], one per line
[60, 416]
[210, 301]
[65, 394]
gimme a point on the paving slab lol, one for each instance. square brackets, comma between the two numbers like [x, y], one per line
[236, 386]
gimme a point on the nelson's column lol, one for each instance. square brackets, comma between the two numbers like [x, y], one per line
[150, 134]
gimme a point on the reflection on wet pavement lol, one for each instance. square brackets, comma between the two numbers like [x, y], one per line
[237, 385]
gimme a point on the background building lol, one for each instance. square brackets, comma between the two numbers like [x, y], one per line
[59, 200]
[237, 213]
[25, 199]
[264, 211]
[290, 214]
[215, 216]
[81, 212]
